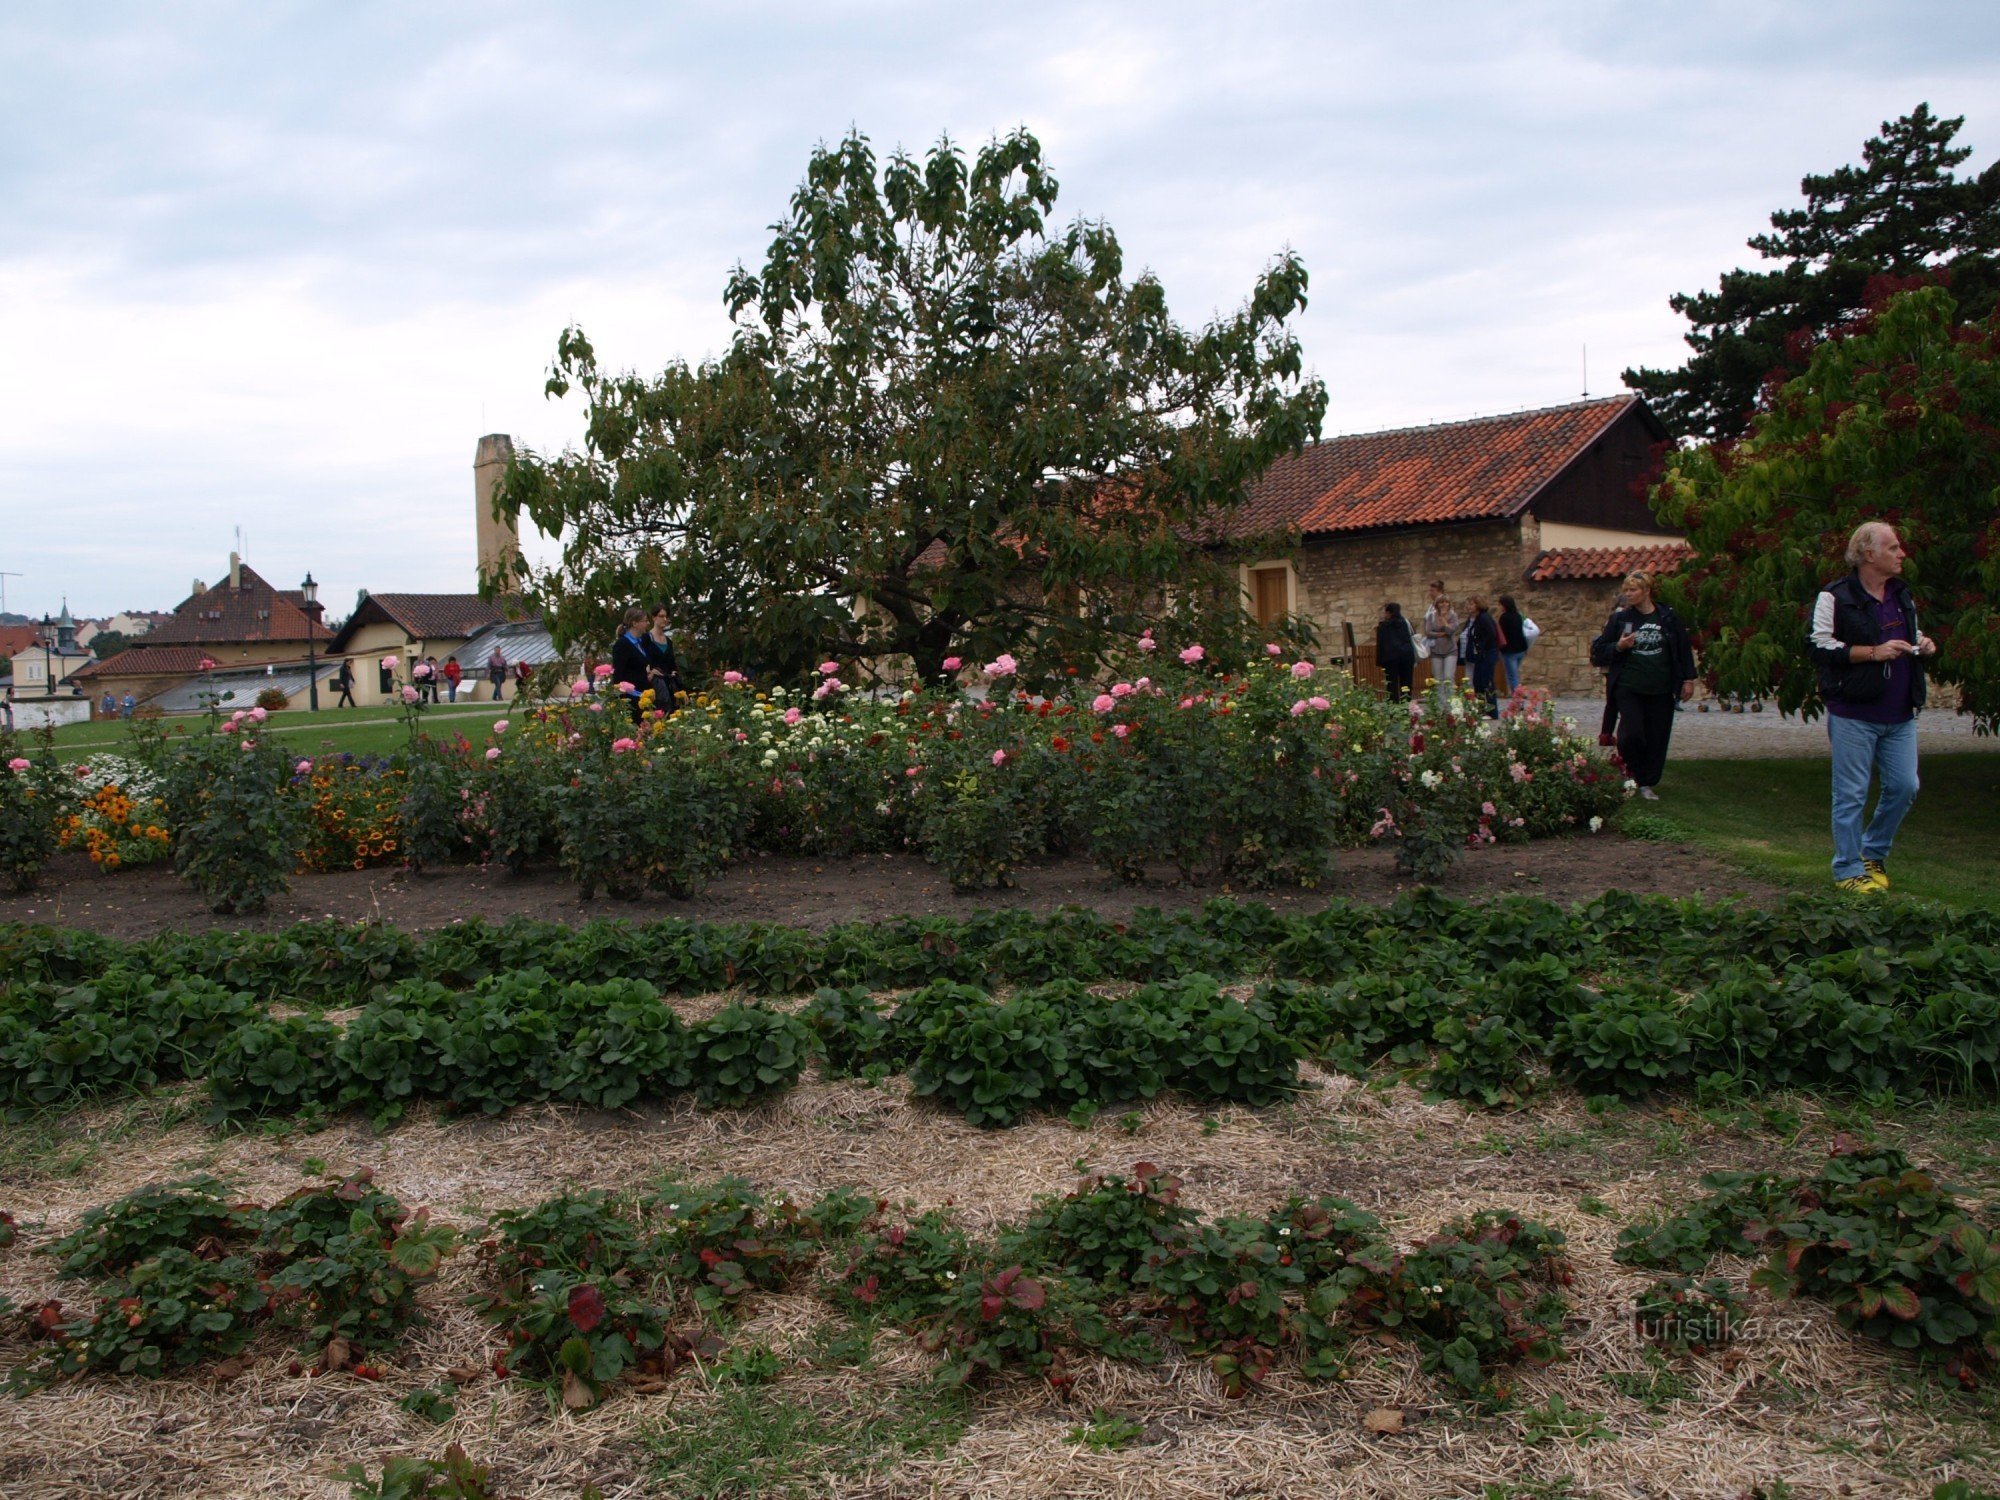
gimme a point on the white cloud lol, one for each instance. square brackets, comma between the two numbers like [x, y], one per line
[282, 267]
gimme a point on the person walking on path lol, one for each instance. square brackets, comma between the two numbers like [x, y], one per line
[126, 706]
[1441, 636]
[1482, 635]
[343, 682]
[1514, 641]
[1651, 662]
[496, 672]
[1870, 655]
[109, 707]
[453, 675]
[1395, 652]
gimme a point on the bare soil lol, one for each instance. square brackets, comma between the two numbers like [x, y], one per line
[821, 893]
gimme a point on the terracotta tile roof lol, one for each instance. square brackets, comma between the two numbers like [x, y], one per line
[147, 661]
[1483, 469]
[19, 638]
[252, 611]
[436, 616]
[1608, 562]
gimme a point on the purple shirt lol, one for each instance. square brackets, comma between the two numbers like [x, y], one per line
[1894, 706]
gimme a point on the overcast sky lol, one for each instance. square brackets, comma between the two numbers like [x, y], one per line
[278, 265]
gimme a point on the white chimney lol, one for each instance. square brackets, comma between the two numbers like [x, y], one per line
[235, 570]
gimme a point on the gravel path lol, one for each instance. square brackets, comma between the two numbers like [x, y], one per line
[1770, 735]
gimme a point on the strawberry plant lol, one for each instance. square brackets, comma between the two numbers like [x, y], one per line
[723, 1240]
[195, 1214]
[1106, 1229]
[166, 1312]
[353, 1260]
[33, 801]
[273, 1065]
[905, 1272]
[1682, 1313]
[745, 1051]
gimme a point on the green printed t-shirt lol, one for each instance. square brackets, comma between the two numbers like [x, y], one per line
[1649, 668]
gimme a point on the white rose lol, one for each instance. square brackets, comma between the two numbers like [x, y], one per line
[1595, 824]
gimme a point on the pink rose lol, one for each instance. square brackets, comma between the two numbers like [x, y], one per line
[1298, 708]
[388, 663]
[953, 663]
[1192, 655]
[493, 752]
[999, 757]
[619, 747]
[1121, 730]
[1104, 703]
[732, 678]
[828, 668]
[1319, 703]
[1487, 809]
[597, 708]
[1144, 684]
[1121, 690]
[601, 671]
[1272, 648]
[259, 714]
[793, 715]
[1302, 670]
[913, 771]
[249, 744]
[499, 726]
[627, 689]
[578, 688]
[1147, 643]
[304, 767]
[1187, 703]
[827, 689]
[409, 695]
[1002, 665]
[18, 763]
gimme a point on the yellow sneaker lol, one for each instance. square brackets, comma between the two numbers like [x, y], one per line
[1860, 885]
[1876, 873]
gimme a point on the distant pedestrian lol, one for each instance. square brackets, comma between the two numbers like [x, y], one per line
[1482, 639]
[1651, 661]
[523, 676]
[1441, 638]
[665, 675]
[1514, 641]
[631, 662]
[1395, 652]
[109, 706]
[343, 682]
[453, 673]
[496, 673]
[1870, 656]
[425, 675]
[127, 706]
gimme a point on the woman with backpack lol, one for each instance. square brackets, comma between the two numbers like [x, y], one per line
[1482, 648]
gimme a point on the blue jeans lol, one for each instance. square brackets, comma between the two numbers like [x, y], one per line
[1511, 660]
[1862, 750]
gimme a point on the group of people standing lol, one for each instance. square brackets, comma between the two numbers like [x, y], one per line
[642, 659]
[1483, 644]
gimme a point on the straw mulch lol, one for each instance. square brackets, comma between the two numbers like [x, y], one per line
[1800, 1401]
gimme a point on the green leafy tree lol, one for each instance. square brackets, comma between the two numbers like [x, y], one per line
[1896, 420]
[1902, 212]
[941, 428]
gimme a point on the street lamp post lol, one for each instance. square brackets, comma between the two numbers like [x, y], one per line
[48, 657]
[311, 592]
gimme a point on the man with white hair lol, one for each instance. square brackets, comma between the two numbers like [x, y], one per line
[1869, 652]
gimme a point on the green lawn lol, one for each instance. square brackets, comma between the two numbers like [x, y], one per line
[363, 731]
[1770, 817]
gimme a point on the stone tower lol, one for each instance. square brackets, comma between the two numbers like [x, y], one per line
[499, 542]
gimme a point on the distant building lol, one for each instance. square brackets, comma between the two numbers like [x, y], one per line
[50, 661]
[240, 622]
[1547, 505]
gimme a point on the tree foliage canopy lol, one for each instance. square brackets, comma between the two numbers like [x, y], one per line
[1902, 212]
[1897, 420]
[940, 428]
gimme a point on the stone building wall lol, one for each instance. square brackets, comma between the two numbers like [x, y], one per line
[1345, 579]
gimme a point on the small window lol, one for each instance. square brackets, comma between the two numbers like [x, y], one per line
[1269, 590]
